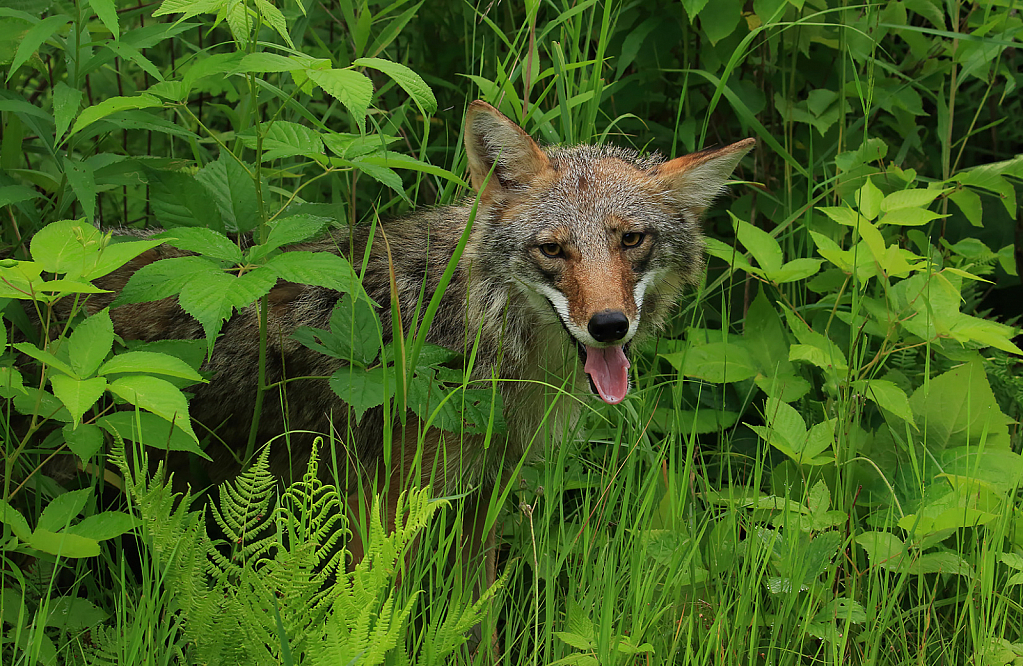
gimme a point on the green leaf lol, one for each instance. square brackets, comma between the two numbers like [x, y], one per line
[150, 363]
[720, 18]
[958, 408]
[78, 395]
[34, 38]
[410, 82]
[915, 198]
[887, 395]
[74, 614]
[761, 245]
[885, 550]
[393, 160]
[797, 269]
[105, 525]
[694, 7]
[969, 202]
[85, 441]
[206, 242]
[213, 299]
[150, 430]
[64, 246]
[112, 105]
[107, 12]
[179, 200]
[13, 518]
[718, 362]
[63, 544]
[287, 231]
[262, 62]
[12, 194]
[868, 200]
[82, 180]
[66, 101]
[286, 139]
[90, 343]
[42, 403]
[361, 389]
[352, 89]
[165, 278]
[323, 269]
[910, 217]
[233, 188]
[43, 356]
[62, 509]
[157, 396]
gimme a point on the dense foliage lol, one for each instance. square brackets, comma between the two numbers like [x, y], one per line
[821, 462]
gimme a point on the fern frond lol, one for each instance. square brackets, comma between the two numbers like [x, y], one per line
[242, 513]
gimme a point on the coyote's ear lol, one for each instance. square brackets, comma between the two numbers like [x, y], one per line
[698, 178]
[491, 137]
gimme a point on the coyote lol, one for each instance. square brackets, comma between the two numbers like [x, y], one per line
[574, 254]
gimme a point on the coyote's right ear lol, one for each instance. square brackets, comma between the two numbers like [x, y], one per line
[490, 137]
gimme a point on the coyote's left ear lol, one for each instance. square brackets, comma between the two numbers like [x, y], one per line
[700, 177]
[493, 142]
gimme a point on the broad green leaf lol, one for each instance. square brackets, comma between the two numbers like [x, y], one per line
[105, 525]
[868, 200]
[85, 441]
[765, 338]
[910, 217]
[351, 88]
[718, 362]
[90, 343]
[378, 173]
[720, 18]
[393, 160]
[144, 362]
[13, 194]
[34, 38]
[323, 269]
[969, 203]
[761, 245]
[202, 241]
[885, 550]
[107, 12]
[151, 430]
[63, 544]
[164, 278]
[942, 563]
[74, 614]
[988, 333]
[916, 198]
[288, 231]
[62, 509]
[78, 395]
[66, 246]
[361, 389]
[410, 82]
[44, 356]
[157, 396]
[783, 419]
[91, 114]
[212, 300]
[179, 200]
[115, 255]
[13, 518]
[42, 403]
[275, 19]
[262, 62]
[958, 408]
[784, 387]
[797, 269]
[887, 395]
[188, 8]
[11, 382]
[232, 187]
[285, 139]
[845, 216]
[82, 180]
[694, 7]
[66, 101]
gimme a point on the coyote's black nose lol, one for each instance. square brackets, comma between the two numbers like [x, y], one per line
[608, 325]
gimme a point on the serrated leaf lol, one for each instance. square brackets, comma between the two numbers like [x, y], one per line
[78, 395]
[91, 114]
[234, 190]
[82, 180]
[44, 356]
[289, 230]
[323, 269]
[63, 544]
[85, 441]
[179, 200]
[889, 396]
[410, 82]
[165, 278]
[157, 396]
[393, 160]
[761, 245]
[66, 101]
[351, 88]
[361, 389]
[286, 139]
[262, 62]
[212, 300]
[201, 240]
[104, 525]
[42, 403]
[13, 518]
[34, 38]
[150, 363]
[884, 550]
[74, 614]
[62, 509]
[107, 12]
[90, 343]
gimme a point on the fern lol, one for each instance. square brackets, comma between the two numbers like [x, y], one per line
[280, 594]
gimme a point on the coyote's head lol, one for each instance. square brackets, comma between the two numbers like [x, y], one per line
[608, 238]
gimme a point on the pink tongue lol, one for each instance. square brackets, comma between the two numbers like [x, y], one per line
[609, 370]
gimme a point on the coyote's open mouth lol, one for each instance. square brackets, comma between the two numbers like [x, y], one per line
[608, 370]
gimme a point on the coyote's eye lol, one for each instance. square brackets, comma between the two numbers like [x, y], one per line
[632, 239]
[552, 250]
